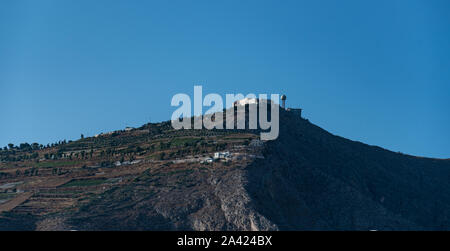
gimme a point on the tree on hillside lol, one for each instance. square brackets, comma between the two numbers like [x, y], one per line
[25, 147]
[161, 156]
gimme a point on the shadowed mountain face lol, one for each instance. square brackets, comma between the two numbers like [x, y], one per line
[314, 180]
[307, 179]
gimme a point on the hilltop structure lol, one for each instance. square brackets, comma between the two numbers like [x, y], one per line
[246, 101]
[297, 111]
[255, 101]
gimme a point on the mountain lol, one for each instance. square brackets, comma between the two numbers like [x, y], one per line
[158, 178]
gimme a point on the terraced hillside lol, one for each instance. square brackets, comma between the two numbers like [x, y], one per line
[65, 179]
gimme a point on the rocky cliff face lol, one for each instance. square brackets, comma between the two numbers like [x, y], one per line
[191, 199]
[308, 180]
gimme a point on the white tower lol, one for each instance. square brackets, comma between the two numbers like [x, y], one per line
[283, 101]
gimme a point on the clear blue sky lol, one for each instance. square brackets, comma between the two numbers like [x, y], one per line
[373, 71]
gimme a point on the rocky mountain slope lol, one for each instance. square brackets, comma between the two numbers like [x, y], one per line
[307, 179]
